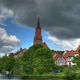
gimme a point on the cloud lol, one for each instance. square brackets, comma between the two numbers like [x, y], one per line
[65, 44]
[5, 13]
[61, 18]
[7, 42]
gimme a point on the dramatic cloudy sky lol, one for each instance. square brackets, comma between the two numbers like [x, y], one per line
[60, 21]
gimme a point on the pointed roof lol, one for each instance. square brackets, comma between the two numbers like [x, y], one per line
[38, 22]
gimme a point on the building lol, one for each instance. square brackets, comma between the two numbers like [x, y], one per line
[19, 53]
[37, 40]
[59, 59]
[38, 36]
[45, 45]
[67, 57]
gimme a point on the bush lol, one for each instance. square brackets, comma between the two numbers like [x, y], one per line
[69, 73]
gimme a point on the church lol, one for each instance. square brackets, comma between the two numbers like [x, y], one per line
[38, 36]
[37, 40]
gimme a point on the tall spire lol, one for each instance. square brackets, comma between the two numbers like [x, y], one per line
[38, 36]
[38, 23]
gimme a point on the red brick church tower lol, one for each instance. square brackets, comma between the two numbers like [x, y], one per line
[38, 36]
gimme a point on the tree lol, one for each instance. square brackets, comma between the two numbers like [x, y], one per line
[3, 61]
[10, 63]
[43, 61]
[70, 75]
[77, 59]
[1, 64]
[7, 63]
[38, 60]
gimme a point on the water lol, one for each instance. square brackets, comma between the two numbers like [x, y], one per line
[4, 77]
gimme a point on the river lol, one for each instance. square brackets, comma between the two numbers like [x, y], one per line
[4, 77]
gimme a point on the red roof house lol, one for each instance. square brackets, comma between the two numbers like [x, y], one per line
[56, 55]
[59, 59]
[70, 53]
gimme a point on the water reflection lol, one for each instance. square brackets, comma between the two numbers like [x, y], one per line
[4, 77]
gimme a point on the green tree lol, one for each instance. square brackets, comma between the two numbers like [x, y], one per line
[77, 59]
[43, 61]
[70, 75]
[1, 64]
[4, 62]
[7, 63]
[10, 63]
[38, 60]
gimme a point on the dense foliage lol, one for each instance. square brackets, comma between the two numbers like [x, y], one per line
[7, 63]
[59, 52]
[38, 60]
[35, 61]
[77, 59]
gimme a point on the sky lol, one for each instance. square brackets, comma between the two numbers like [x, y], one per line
[59, 19]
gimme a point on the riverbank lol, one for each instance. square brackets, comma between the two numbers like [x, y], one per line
[2, 77]
[58, 76]
[51, 76]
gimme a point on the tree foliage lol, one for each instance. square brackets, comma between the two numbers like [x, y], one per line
[7, 63]
[77, 59]
[39, 60]
[35, 61]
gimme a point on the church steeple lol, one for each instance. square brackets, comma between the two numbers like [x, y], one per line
[38, 36]
[38, 23]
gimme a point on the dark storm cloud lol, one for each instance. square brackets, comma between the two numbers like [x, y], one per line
[59, 17]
